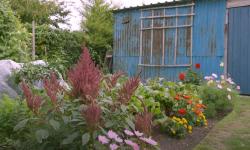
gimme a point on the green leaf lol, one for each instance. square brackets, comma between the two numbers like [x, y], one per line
[21, 124]
[70, 138]
[130, 123]
[54, 124]
[124, 108]
[85, 138]
[41, 135]
[109, 124]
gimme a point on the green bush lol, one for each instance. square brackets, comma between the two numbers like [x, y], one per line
[32, 73]
[11, 112]
[216, 100]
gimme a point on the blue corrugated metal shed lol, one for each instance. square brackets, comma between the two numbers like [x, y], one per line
[203, 44]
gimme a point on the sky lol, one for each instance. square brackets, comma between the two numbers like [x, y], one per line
[75, 7]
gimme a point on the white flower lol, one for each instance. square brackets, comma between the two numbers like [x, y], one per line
[118, 84]
[207, 78]
[210, 82]
[229, 90]
[215, 75]
[238, 87]
[219, 86]
[222, 77]
[229, 97]
[222, 64]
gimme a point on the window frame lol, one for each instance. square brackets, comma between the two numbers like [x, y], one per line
[164, 29]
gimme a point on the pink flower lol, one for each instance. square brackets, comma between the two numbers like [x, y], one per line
[238, 87]
[119, 140]
[149, 141]
[112, 135]
[113, 146]
[132, 144]
[137, 133]
[103, 139]
[129, 132]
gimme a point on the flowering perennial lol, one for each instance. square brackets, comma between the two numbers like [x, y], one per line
[128, 90]
[92, 115]
[85, 77]
[52, 87]
[34, 102]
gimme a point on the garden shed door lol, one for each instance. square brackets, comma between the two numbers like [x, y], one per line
[239, 43]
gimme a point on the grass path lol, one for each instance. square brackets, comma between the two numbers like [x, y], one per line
[233, 132]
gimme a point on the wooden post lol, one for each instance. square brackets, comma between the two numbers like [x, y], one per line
[33, 41]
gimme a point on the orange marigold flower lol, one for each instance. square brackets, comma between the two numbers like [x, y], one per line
[190, 102]
[177, 97]
[197, 112]
[186, 96]
[200, 106]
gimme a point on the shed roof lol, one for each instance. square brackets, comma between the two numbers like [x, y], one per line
[174, 2]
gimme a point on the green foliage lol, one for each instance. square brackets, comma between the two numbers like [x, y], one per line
[216, 100]
[13, 36]
[98, 26]
[11, 112]
[32, 73]
[193, 77]
[42, 11]
[58, 46]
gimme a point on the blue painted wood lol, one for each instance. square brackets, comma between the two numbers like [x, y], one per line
[239, 47]
[208, 41]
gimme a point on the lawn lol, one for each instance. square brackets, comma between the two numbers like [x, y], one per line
[232, 133]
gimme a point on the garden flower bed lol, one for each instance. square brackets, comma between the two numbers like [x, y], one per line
[99, 111]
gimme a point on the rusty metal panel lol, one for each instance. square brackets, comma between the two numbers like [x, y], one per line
[127, 33]
[209, 28]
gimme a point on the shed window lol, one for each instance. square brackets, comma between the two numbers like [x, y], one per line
[166, 36]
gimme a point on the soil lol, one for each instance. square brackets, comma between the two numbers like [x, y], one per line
[188, 143]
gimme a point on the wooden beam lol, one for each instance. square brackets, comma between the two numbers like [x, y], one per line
[237, 3]
[33, 41]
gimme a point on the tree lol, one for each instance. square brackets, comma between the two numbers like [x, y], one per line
[41, 11]
[13, 36]
[98, 26]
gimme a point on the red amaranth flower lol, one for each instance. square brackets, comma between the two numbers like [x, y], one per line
[182, 111]
[128, 89]
[85, 77]
[92, 115]
[52, 87]
[34, 102]
[182, 76]
[143, 122]
[114, 78]
[197, 66]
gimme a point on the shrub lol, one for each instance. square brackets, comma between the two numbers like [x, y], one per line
[32, 73]
[218, 93]
[11, 112]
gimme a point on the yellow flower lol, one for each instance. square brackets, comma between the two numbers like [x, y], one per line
[190, 132]
[190, 128]
[185, 126]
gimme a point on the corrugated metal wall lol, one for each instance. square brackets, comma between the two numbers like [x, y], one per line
[208, 41]
[239, 47]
